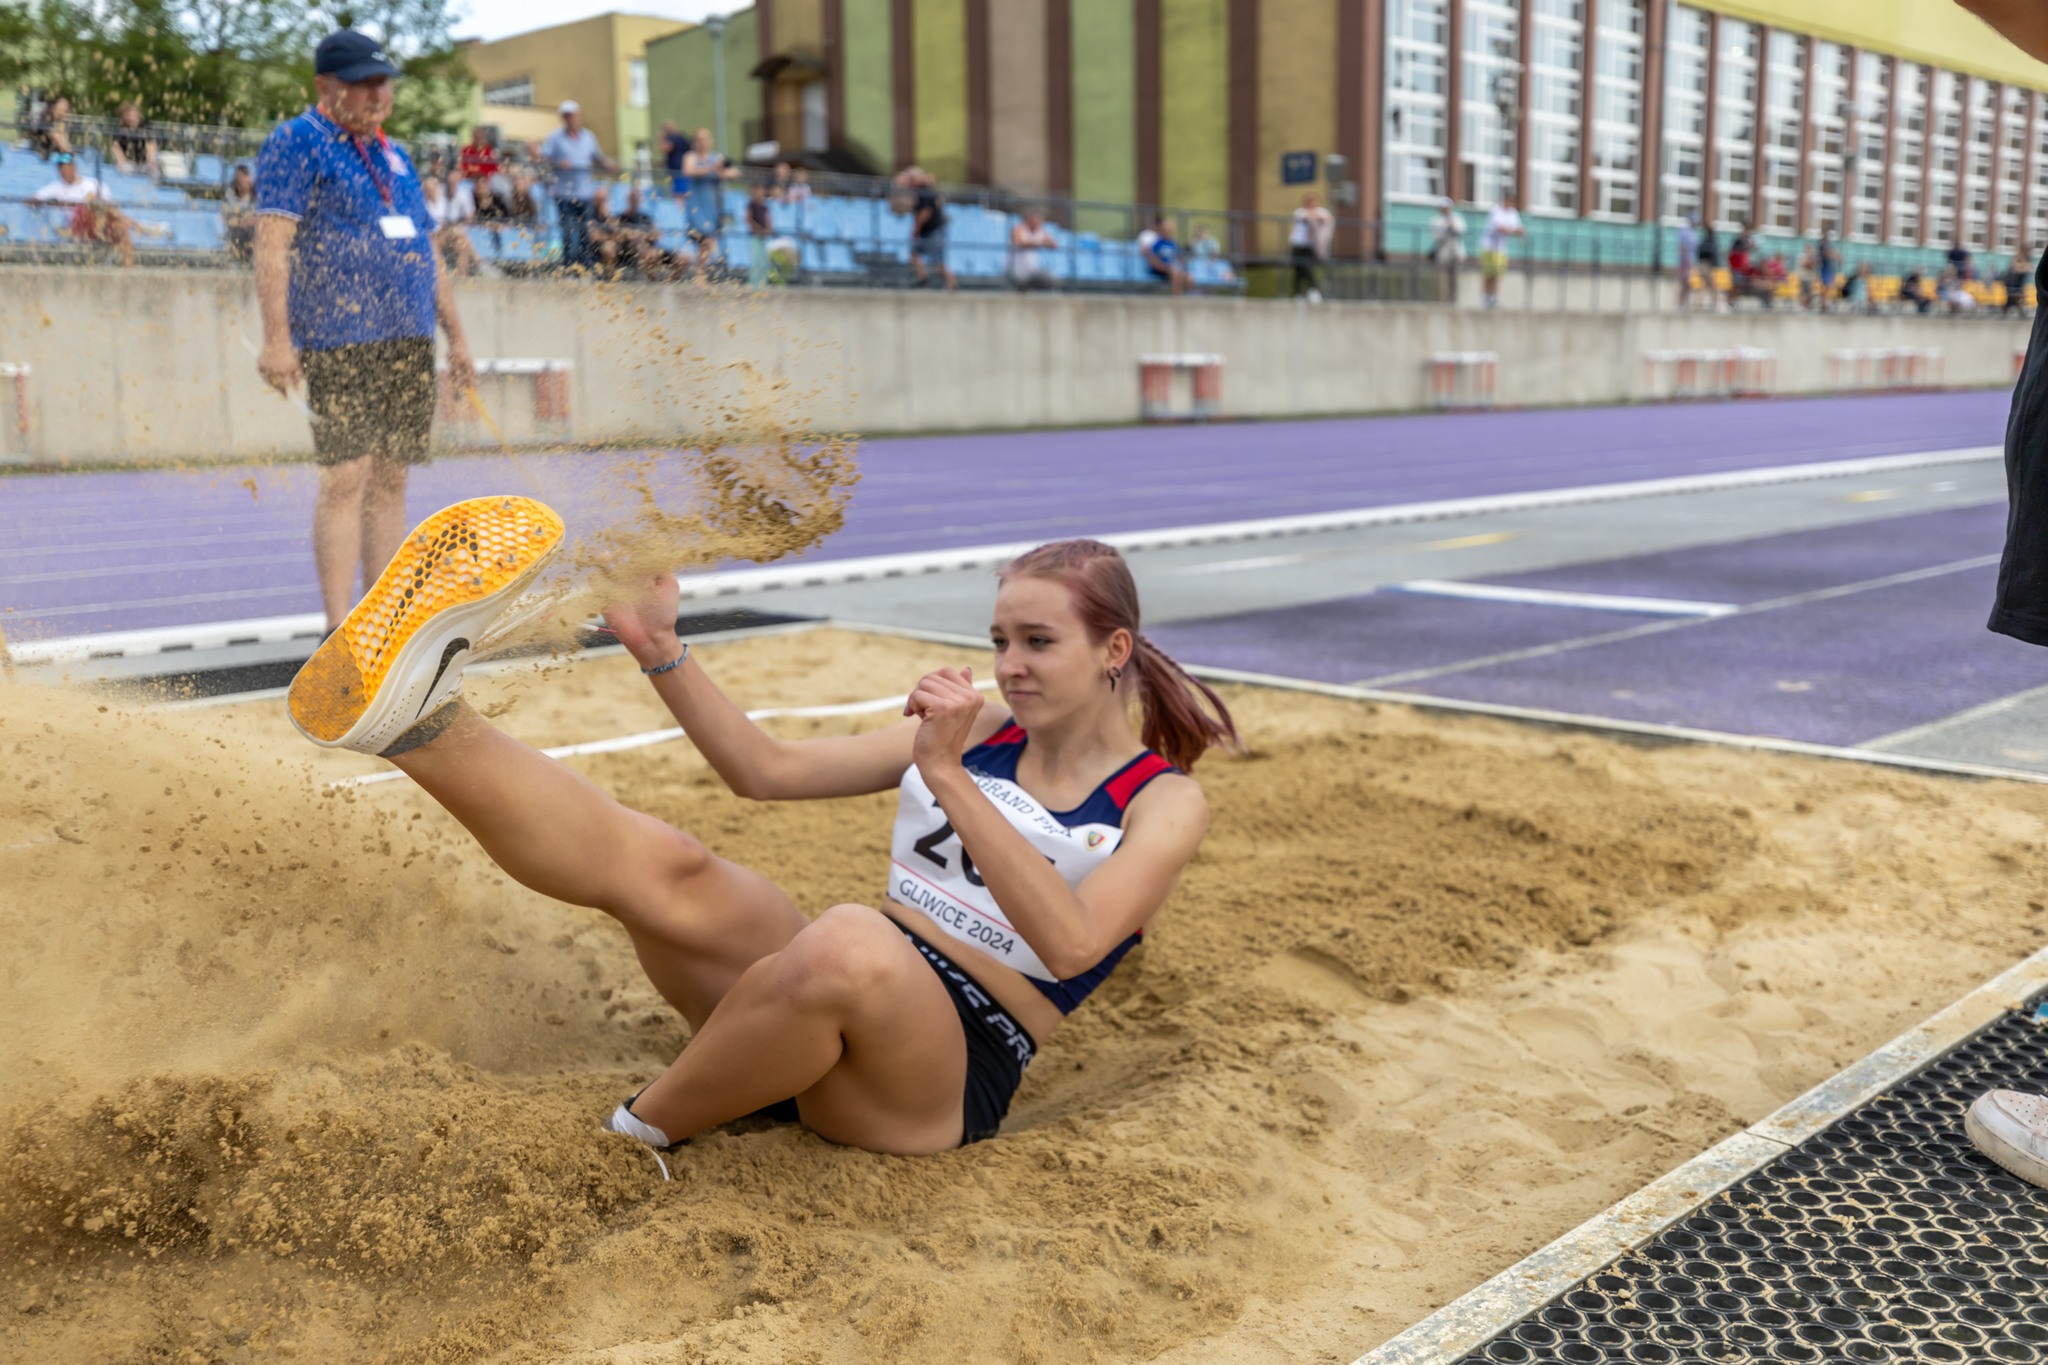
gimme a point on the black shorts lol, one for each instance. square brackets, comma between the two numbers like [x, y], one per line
[998, 1050]
[374, 398]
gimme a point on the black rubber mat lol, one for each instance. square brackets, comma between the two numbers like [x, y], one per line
[1885, 1237]
[233, 679]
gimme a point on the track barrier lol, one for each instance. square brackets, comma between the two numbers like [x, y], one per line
[1733, 372]
[1159, 380]
[1887, 367]
[1463, 379]
[546, 415]
[18, 374]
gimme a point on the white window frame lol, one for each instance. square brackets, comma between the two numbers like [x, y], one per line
[1552, 178]
[1784, 110]
[1686, 99]
[1912, 87]
[1415, 161]
[1829, 120]
[513, 92]
[1735, 99]
[1491, 67]
[1617, 150]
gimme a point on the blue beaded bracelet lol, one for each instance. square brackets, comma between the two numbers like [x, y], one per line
[674, 663]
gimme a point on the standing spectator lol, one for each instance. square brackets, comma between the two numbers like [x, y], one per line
[675, 148]
[1502, 223]
[1959, 261]
[1447, 236]
[351, 288]
[574, 157]
[928, 232]
[238, 214]
[759, 230]
[1308, 244]
[479, 160]
[1688, 258]
[707, 170]
[134, 142]
[1029, 240]
[93, 215]
[51, 133]
[1160, 251]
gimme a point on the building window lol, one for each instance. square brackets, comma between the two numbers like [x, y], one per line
[1976, 195]
[1784, 116]
[1909, 88]
[1618, 109]
[1735, 126]
[1828, 116]
[1417, 97]
[1865, 151]
[516, 91]
[636, 83]
[1490, 101]
[2012, 168]
[2037, 161]
[1688, 35]
[1555, 109]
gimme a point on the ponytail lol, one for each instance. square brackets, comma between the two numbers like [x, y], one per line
[1182, 716]
[1177, 725]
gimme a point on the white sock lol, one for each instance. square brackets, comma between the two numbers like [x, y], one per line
[624, 1120]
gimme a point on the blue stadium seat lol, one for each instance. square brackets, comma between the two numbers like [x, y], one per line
[839, 258]
[485, 241]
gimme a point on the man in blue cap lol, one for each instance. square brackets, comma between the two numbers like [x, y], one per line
[351, 287]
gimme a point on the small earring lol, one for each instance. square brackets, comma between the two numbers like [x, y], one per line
[1115, 675]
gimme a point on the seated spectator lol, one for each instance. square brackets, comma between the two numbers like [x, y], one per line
[760, 265]
[799, 187]
[491, 211]
[1854, 291]
[134, 142]
[452, 215]
[1161, 254]
[1203, 246]
[238, 214]
[1959, 261]
[93, 215]
[1952, 293]
[479, 159]
[778, 188]
[630, 240]
[1029, 240]
[51, 133]
[1747, 276]
[2019, 273]
[520, 204]
[1913, 289]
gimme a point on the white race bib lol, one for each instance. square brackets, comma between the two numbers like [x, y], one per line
[398, 227]
[930, 871]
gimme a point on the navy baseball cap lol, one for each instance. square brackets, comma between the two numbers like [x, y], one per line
[350, 56]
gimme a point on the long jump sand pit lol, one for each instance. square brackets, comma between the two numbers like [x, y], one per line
[296, 1073]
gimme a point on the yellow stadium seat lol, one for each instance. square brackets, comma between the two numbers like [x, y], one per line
[1884, 289]
[1723, 281]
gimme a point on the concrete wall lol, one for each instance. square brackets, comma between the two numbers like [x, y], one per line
[666, 364]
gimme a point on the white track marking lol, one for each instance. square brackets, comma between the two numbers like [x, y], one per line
[675, 732]
[1239, 565]
[834, 571]
[1984, 711]
[1545, 597]
[1659, 627]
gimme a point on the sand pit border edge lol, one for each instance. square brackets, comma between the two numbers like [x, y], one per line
[1477, 1316]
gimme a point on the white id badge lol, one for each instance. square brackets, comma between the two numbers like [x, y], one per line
[397, 226]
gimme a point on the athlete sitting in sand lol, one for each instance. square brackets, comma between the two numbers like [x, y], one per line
[903, 1027]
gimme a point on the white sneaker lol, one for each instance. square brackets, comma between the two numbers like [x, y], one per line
[626, 1123]
[2012, 1129]
[398, 657]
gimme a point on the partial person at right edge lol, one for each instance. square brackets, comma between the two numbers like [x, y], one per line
[2010, 1126]
[350, 288]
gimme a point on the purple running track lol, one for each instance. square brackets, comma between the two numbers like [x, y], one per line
[1839, 669]
[83, 553]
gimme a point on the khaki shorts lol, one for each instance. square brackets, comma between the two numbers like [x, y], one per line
[1493, 264]
[374, 398]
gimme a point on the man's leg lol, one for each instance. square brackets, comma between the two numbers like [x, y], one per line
[384, 523]
[338, 515]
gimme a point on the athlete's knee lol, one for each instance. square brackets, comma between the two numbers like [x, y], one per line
[842, 958]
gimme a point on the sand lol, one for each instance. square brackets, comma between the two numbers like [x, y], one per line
[296, 1073]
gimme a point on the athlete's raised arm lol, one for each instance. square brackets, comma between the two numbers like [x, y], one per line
[1070, 928]
[2023, 22]
[754, 763]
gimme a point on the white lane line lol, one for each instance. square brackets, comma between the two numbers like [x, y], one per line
[1238, 565]
[1545, 597]
[675, 732]
[865, 568]
[1510, 656]
[1915, 733]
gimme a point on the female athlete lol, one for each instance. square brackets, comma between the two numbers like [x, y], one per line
[900, 1027]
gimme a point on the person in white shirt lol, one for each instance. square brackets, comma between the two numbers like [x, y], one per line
[1028, 240]
[452, 209]
[1502, 222]
[93, 215]
[1308, 245]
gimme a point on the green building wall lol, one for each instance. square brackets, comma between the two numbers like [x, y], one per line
[938, 34]
[1194, 104]
[681, 81]
[1105, 106]
[865, 49]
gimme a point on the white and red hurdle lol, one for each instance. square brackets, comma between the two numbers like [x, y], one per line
[548, 417]
[1463, 379]
[1886, 367]
[1735, 372]
[1159, 380]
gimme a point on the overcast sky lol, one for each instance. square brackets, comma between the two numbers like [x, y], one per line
[489, 19]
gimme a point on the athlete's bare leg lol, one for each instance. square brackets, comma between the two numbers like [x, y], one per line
[697, 921]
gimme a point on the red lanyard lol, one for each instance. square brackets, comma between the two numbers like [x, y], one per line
[370, 166]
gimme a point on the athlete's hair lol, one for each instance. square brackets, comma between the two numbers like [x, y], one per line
[1176, 723]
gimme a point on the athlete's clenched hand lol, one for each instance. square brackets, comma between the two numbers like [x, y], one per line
[647, 625]
[946, 701]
